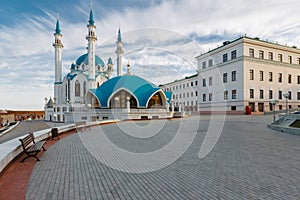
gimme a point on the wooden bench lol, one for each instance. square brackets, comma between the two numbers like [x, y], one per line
[30, 147]
[80, 126]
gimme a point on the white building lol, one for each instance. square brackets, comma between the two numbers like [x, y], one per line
[184, 93]
[248, 72]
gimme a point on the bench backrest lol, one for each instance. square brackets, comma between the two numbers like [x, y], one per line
[80, 123]
[26, 141]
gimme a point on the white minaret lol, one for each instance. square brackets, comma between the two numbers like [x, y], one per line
[58, 62]
[119, 53]
[110, 68]
[91, 38]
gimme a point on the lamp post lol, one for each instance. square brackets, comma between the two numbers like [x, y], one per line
[273, 102]
[286, 96]
[29, 120]
[55, 119]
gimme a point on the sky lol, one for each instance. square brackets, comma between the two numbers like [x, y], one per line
[161, 38]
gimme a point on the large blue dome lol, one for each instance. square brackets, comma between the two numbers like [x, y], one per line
[139, 87]
[84, 59]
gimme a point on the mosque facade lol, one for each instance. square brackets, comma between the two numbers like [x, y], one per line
[90, 92]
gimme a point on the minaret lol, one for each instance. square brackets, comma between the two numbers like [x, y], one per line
[91, 38]
[110, 68]
[119, 53]
[58, 62]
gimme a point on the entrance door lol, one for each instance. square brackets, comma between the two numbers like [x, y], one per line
[261, 107]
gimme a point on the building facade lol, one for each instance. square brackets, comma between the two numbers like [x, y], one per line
[184, 93]
[247, 74]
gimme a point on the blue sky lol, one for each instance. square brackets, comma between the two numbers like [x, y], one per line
[161, 38]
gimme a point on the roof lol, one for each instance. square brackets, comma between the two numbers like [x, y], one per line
[141, 89]
[91, 20]
[57, 28]
[84, 59]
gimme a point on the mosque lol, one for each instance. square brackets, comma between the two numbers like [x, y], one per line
[90, 92]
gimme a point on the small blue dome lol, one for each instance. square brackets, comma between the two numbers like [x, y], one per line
[73, 66]
[84, 59]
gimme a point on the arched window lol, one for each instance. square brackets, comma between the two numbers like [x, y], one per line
[120, 101]
[69, 89]
[84, 90]
[155, 101]
[77, 89]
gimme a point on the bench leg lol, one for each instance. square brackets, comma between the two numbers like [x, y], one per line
[44, 149]
[37, 159]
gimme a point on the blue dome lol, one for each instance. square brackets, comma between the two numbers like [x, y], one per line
[84, 59]
[139, 87]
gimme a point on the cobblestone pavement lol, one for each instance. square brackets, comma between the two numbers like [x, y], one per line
[249, 161]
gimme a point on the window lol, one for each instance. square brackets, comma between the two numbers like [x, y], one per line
[183, 86]
[279, 94]
[204, 82]
[187, 95]
[179, 96]
[204, 97]
[270, 55]
[270, 94]
[210, 63]
[298, 79]
[77, 89]
[183, 95]
[226, 95]
[233, 107]
[192, 94]
[261, 76]
[289, 78]
[210, 97]
[261, 94]
[196, 93]
[251, 53]
[210, 81]
[196, 82]
[187, 84]
[233, 55]
[280, 107]
[203, 65]
[233, 94]
[298, 61]
[279, 77]
[261, 54]
[225, 57]
[298, 95]
[280, 57]
[179, 86]
[251, 74]
[251, 93]
[233, 76]
[192, 84]
[290, 59]
[270, 76]
[225, 78]
[290, 95]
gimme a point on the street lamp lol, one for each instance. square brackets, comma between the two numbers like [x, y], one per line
[29, 120]
[55, 119]
[273, 102]
[286, 96]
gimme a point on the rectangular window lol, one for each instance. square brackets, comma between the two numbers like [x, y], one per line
[192, 84]
[196, 93]
[233, 76]
[179, 86]
[183, 86]
[289, 78]
[261, 54]
[204, 97]
[179, 96]
[204, 82]
[298, 79]
[280, 107]
[270, 94]
[187, 84]
[192, 94]
[290, 59]
[196, 82]
[261, 76]
[187, 95]
[233, 94]
[270, 55]
[279, 94]
[233, 54]
[298, 61]
[225, 78]
[251, 93]
[210, 81]
[225, 57]
[226, 95]
[290, 95]
[210, 63]
[270, 76]
[298, 95]
[203, 65]
[280, 57]
[251, 53]
[210, 97]
[279, 77]
[233, 107]
[261, 94]
[251, 73]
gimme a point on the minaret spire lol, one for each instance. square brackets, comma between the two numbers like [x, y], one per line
[91, 38]
[120, 53]
[58, 61]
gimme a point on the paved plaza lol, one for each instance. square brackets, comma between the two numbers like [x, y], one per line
[249, 161]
